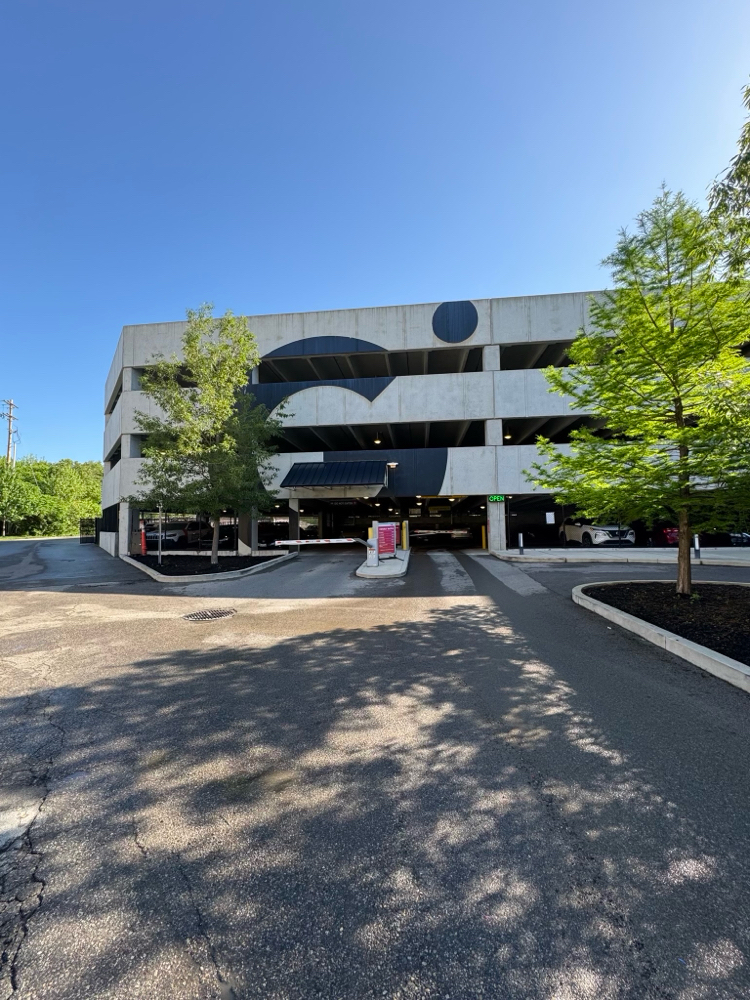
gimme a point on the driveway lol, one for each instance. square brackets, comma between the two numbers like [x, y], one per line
[455, 785]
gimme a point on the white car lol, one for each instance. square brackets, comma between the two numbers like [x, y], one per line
[583, 531]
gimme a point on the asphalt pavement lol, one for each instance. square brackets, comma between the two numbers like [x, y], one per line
[456, 785]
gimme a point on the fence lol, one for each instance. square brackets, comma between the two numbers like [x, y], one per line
[88, 530]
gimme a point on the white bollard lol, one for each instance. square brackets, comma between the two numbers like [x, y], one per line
[520, 543]
[697, 546]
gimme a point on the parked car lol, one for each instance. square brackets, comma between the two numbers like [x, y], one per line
[178, 534]
[739, 537]
[583, 531]
[663, 534]
[271, 531]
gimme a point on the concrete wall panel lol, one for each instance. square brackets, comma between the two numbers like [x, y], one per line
[394, 328]
[108, 541]
[113, 376]
[113, 428]
[111, 486]
[416, 398]
[539, 317]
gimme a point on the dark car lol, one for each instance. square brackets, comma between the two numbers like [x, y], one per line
[663, 534]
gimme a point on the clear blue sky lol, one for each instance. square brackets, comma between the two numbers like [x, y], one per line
[322, 154]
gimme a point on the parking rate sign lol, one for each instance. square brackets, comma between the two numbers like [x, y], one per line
[386, 539]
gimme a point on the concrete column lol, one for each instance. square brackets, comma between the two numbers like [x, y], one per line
[124, 527]
[243, 529]
[247, 534]
[294, 520]
[130, 380]
[130, 446]
[493, 432]
[496, 540]
[491, 358]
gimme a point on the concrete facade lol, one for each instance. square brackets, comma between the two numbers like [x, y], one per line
[500, 393]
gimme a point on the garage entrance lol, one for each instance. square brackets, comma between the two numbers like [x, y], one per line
[454, 522]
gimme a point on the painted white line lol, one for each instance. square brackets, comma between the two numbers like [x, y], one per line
[453, 577]
[512, 577]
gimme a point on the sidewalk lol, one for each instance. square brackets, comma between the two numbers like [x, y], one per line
[726, 556]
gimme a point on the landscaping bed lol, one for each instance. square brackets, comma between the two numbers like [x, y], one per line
[172, 565]
[718, 616]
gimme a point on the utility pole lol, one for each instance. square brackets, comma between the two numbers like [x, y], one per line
[10, 418]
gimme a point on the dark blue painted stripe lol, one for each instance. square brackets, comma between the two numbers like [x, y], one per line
[324, 345]
[270, 394]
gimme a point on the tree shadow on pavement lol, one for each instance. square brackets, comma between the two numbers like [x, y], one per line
[408, 811]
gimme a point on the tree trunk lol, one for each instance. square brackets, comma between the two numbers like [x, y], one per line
[684, 574]
[684, 569]
[215, 541]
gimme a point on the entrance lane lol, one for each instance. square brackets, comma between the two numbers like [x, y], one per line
[415, 795]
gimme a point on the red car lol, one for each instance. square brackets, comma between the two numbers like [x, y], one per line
[664, 535]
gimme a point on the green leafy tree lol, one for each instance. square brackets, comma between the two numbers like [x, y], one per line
[662, 372]
[729, 199]
[48, 498]
[210, 449]
[19, 499]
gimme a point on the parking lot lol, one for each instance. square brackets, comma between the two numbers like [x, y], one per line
[455, 784]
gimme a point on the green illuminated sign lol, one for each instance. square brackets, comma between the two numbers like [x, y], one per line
[496, 498]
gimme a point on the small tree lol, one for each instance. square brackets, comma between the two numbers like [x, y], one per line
[209, 450]
[662, 372]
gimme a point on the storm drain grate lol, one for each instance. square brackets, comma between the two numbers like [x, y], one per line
[207, 616]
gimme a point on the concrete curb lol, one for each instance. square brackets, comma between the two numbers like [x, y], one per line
[721, 666]
[232, 574]
[38, 538]
[386, 570]
[588, 559]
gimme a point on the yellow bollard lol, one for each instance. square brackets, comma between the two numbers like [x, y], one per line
[484, 536]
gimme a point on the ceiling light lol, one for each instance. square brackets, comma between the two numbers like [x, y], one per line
[392, 465]
[377, 504]
[507, 437]
[419, 505]
[451, 499]
[419, 496]
[481, 507]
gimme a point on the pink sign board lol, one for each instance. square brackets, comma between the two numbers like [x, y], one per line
[386, 539]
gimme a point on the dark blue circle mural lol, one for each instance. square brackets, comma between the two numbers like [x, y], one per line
[453, 322]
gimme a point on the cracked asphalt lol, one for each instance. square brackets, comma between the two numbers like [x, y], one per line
[453, 785]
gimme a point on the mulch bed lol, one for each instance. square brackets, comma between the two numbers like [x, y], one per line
[718, 617]
[191, 565]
